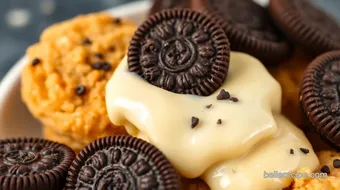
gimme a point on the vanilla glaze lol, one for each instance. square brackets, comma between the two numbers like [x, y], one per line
[248, 127]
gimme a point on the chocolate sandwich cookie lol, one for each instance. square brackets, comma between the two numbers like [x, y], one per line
[320, 95]
[182, 51]
[159, 5]
[306, 25]
[249, 29]
[121, 162]
[33, 164]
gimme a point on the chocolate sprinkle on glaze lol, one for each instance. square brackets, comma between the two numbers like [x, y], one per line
[36, 61]
[223, 95]
[291, 151]
[181, 51]
[336, 163]
[325, 169]
[87, 41]
[80, 90]
[219, 121]
[194, 122]
[234, 99]
[208, 106]
[304, 150]
[121, 162]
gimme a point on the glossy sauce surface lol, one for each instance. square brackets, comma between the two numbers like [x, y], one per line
[164, 119]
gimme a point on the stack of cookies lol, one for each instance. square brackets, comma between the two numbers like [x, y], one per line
[113, 162]
[202, 82]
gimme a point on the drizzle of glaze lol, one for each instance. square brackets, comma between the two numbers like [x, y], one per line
[162, 118]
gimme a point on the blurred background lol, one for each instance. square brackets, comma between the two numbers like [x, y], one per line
[21, 21]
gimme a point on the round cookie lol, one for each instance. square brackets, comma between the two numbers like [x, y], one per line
[182, 51]
[306, 25]
[249, 29]
[319, 95]
[33, 164]
[159, 5]
[121, 162]
[63, 84]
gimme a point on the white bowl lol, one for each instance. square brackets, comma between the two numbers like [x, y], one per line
[15, 119]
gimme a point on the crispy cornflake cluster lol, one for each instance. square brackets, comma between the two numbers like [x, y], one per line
[64, 83]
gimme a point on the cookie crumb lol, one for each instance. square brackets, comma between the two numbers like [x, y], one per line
[219, 122]
[106, 66]
[304, 150]
[99, 55]
[96, 66]
[208, 106]
[336, 163]
[291, 151]
[87, 41]
[234, 99]
[325, 169]
[80, 90]
[117, 21]
[36, 61]
[101, 66]
[223, 95]
[111, 48]
[194, 122]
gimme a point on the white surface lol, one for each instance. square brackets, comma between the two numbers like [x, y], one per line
[15, 120]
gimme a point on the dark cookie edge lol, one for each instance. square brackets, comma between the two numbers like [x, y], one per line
[311, 103]
[170, 176]
[289, 21]
[223, 50]
[55, 177]
[266, 51]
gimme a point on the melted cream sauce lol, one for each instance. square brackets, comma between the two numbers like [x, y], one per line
[164, 119]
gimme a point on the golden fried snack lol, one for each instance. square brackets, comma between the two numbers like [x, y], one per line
[331, 159]
[329, 164]
[328, 183]
[73, 141]
[64, 82]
